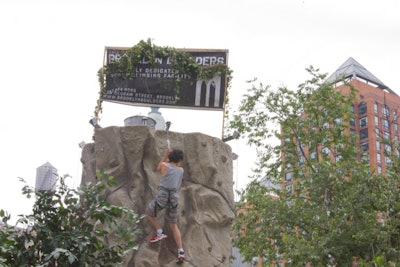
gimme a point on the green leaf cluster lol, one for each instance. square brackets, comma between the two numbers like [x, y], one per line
[70, 227]
[332, 208]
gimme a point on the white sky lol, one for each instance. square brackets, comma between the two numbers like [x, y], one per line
[51, 51]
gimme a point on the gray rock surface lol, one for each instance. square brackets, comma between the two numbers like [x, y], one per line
[131, 155]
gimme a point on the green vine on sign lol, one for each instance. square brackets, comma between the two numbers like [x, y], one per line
[180, 61]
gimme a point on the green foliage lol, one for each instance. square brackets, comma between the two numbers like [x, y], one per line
[180, 60]
[70, 227]
[330, 205]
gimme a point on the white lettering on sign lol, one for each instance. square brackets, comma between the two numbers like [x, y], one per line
[209, 61]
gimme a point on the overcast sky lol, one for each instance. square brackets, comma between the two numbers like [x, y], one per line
[51, 51]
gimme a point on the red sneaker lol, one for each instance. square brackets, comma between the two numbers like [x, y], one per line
[157, 238]
[181, 257]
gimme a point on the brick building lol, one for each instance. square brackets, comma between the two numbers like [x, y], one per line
[376, 111]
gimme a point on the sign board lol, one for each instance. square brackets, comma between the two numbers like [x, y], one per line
[162, 86]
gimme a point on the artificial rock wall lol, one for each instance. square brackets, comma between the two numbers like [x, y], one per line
[131, 155]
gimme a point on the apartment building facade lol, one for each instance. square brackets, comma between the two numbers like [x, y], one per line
[376, 111]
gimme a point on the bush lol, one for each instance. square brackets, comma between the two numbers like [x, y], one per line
[70, 227]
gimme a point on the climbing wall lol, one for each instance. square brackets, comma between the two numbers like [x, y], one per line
[131, 155]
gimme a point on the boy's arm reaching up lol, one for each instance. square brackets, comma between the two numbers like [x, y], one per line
[162, 165]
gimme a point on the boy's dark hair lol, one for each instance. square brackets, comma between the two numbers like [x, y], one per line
[175, 155]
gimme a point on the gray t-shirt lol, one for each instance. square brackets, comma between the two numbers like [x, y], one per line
[173, 178]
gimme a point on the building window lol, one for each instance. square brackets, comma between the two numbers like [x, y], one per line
[301, 174]
[376, 108]
[379, 169]
[326, 151]
[386, 135]
[288, 165]
[300, 148]
[378, 146]
[362, 108]
[388, 148]
[365, 157]
[288, 176]
[396, 128]
[388, 160]
[364, 133]
[363, 121]
[352, 122]
[337, 122]
[385, 111]
[301, 161]
[378, 158]
[289, 188]
[313, 155]
[310, 145]
[352, 108]
[364, 146]
[385, 123]
[377, 133]
[376, 121]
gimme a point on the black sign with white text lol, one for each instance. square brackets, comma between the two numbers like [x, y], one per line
[161, 85]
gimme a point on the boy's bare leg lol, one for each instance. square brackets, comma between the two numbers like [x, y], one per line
[153, 221]
[177, 234]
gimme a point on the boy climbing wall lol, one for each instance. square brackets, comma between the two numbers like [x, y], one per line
[168, 197]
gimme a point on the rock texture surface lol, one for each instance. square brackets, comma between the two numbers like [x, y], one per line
[131, 155]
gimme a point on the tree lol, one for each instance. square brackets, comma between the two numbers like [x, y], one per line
[70, 227]
[329, 206]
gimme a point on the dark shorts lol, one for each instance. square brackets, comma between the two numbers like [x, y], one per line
[165, 199]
